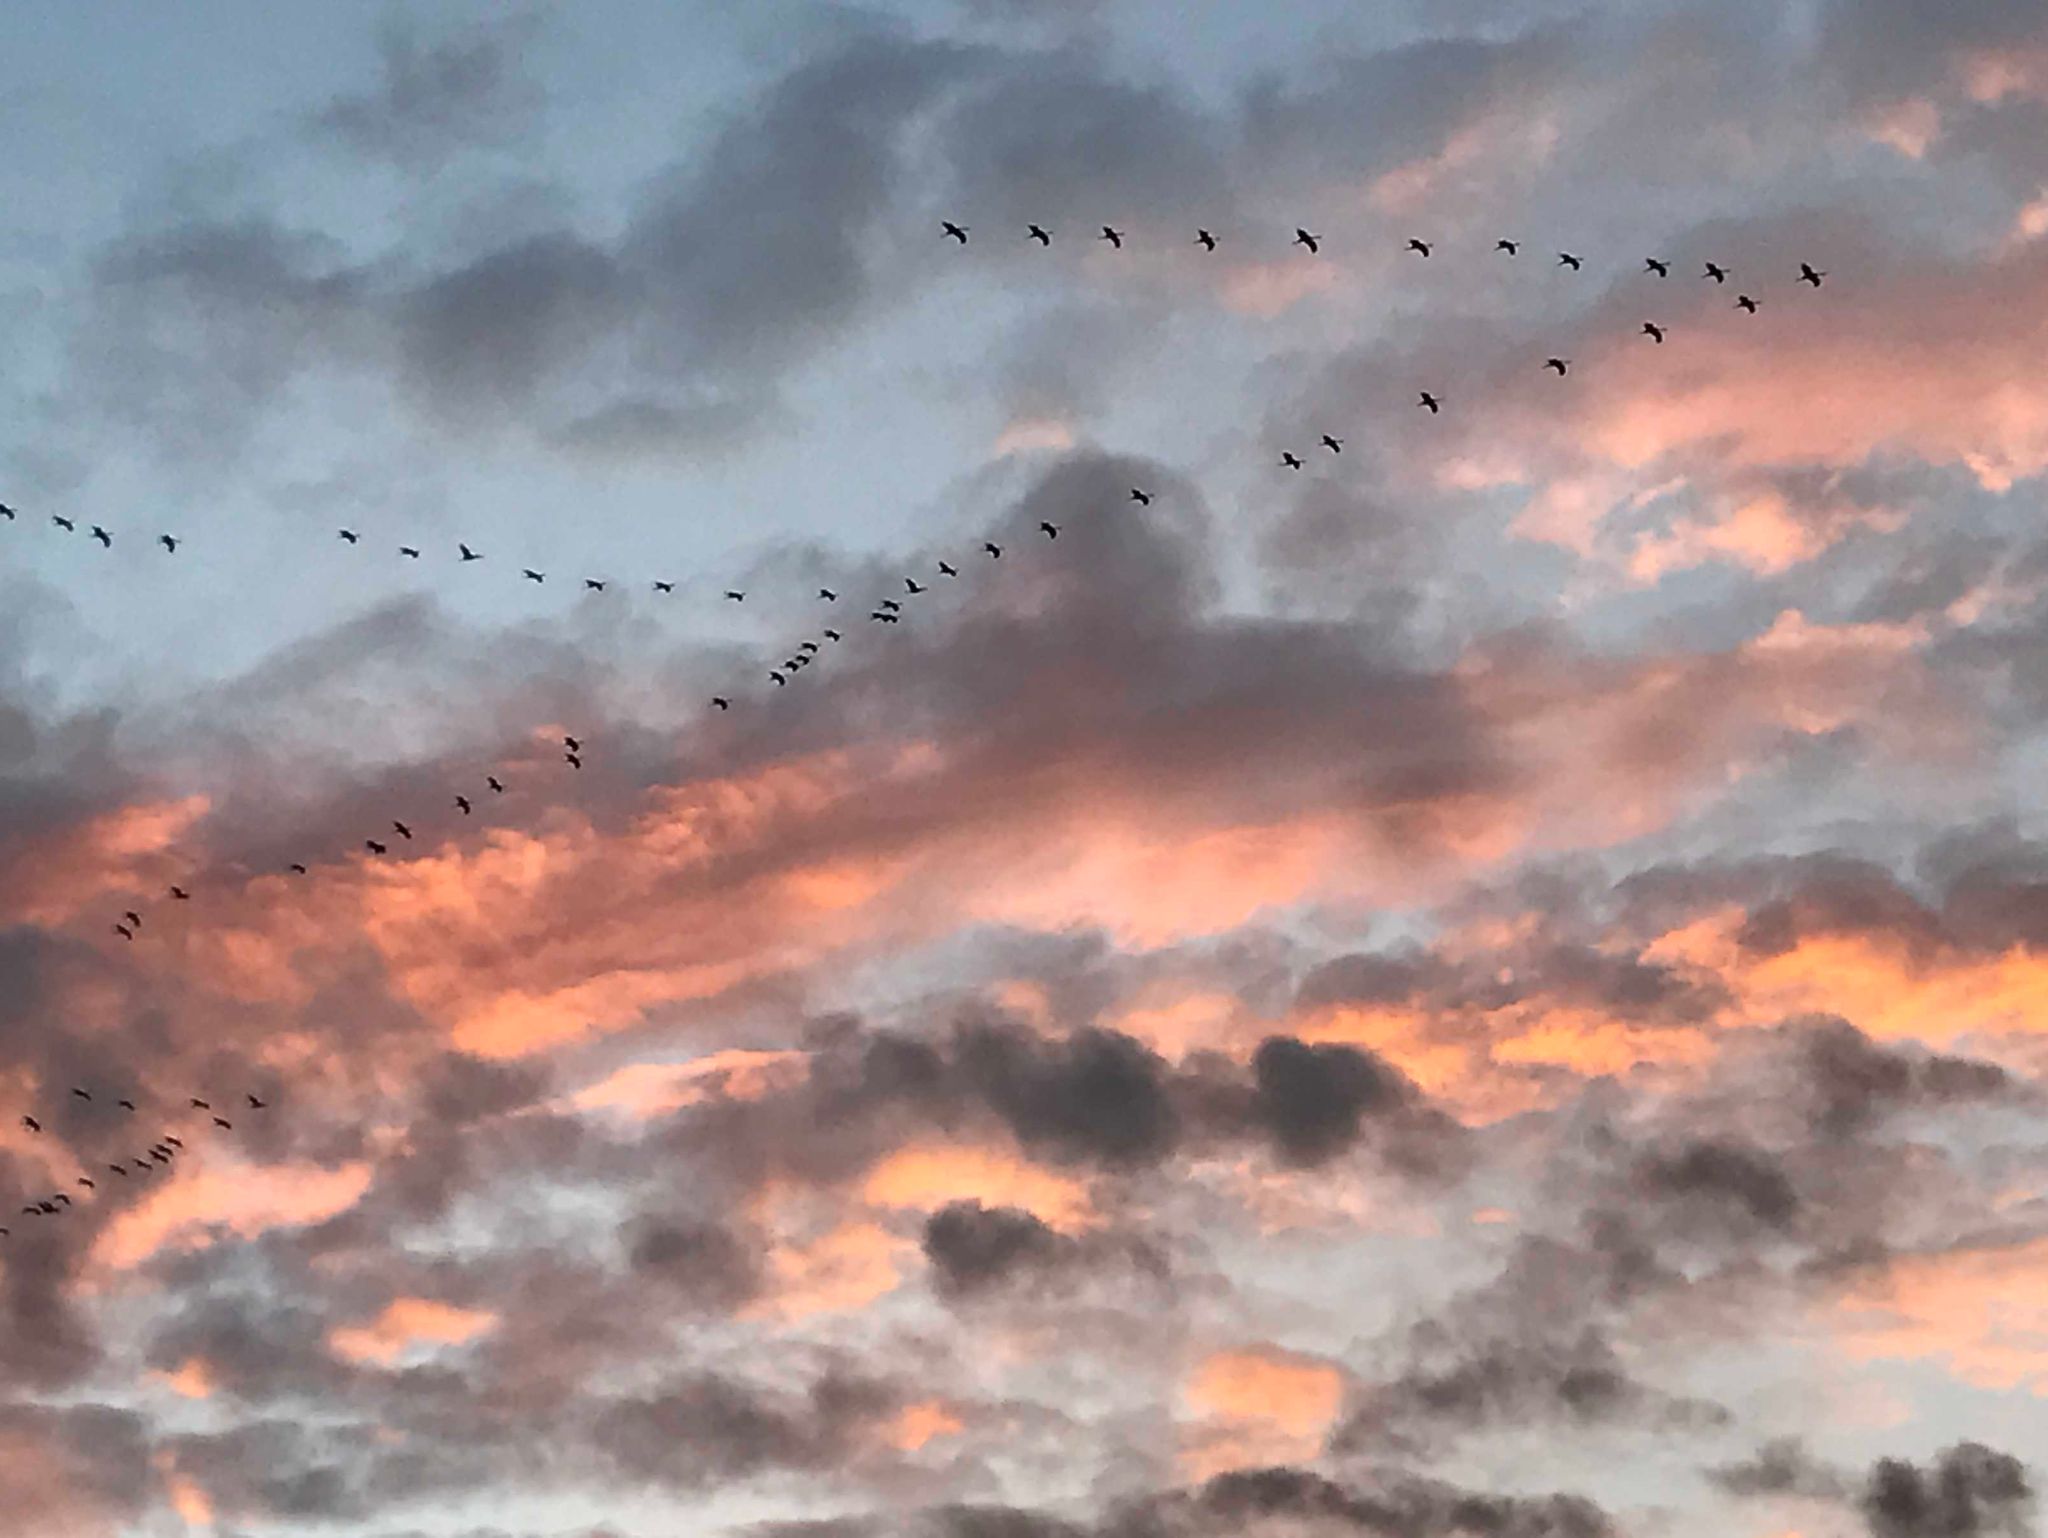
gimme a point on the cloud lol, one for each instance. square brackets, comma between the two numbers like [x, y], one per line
[1968, 1490]
[432, 100]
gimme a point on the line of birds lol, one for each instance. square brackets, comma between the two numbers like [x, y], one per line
[888, 610]
[158, 1155]
[1425, 399]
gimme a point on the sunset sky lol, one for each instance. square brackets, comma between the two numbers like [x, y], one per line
[1493, 985]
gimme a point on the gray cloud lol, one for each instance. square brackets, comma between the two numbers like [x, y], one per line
[433, 99]
[1968, 1490]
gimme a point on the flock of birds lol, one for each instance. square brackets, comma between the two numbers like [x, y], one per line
[886, 610]
[127, 1165]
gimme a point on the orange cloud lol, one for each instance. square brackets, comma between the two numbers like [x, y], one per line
[1981, 1314]
[927, 1176]
[194, 1380]
[187, 1209]
[647, 1090]
[917, 1424]
[1262, 1404]
[843, 1270]
[405, 1324]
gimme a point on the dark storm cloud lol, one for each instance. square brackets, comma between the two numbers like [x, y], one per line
[432, 99]
[1782, 1467]
[1969, 1490]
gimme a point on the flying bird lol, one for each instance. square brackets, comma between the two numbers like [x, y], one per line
[1291, 461]
[223, 1123]
[106, 540]
[593, 585]
[462, 802]
[721, 702]
[255, 1104]
[735, 597]
[890, 604]
[81, 1095]
[946, 569]
[1431, 402]
[124, 931]
[402, 830]
[1143, 498]
[807, 646]
[1560, 364]
[776, 674]
[1040, 236]
[169, 542]
[1716, 271]
[572, 744]
[1566, 259]
[133, 917]
[914, 587]
[199, 1105]
[497, 785]
[664, 587]
[1744, 302]
[533, 576]
[1418, 245]
[374, 847]
[350, 536]
[1303, 238]
[828, 595]
[1205, 240]
[1654, 332]
[118, 1169]
[1334, 445]
[1661, 268]
[172, 1142]
[126, 1105]
[64, 523]
[957, 231]
[572, 760]
[6, 512]
[32, 1124]
[832, 635]
[1509, 246]
[995, 551]
[1049, 530]
[1808, 275]
[86, 1183]
[179, 894]
[410, 552]
[469, 554]
[1114, 237]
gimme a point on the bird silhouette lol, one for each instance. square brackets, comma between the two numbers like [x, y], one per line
[946, 569]
[79, 1094]
[828, 595]
[1512, 247]
[776, 674]
[1661, 268]
[664, 587]
[572, 744]
[32, 1124]
[374, 847]
[721, 702]
[735, 597]
[995, 551]
[124, 931]
[1334, 445]
[1566, 259]
[1807, 274]
[1049, 530]
[497, 785]
[807, 646]
[1114, 237]
[1303, 238]
[1143, 498]
[172, 1142]
[255, 1104]
[1205, 240]
[1717, 272]
[1291, 461]
[198, 1105]
[1431, 402]
[86, 1183]
[469, 554]
[572, 760]
[106, 540]
[223, 1123]
[533, 576]
[957, 231]
[890, 604]
[1654, 332]
[462, 804]
[64, 523]
[832, 635]
[118, 1169]
[6, 512]
[133, 917]
[1418, 245]
[410, 552]
[402, 831]
[914, 587]
[351, 537]
[126, 1105]
[169, 542]
[593, 585]
[1744, 302]
[179, 894]
[1040, 236]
